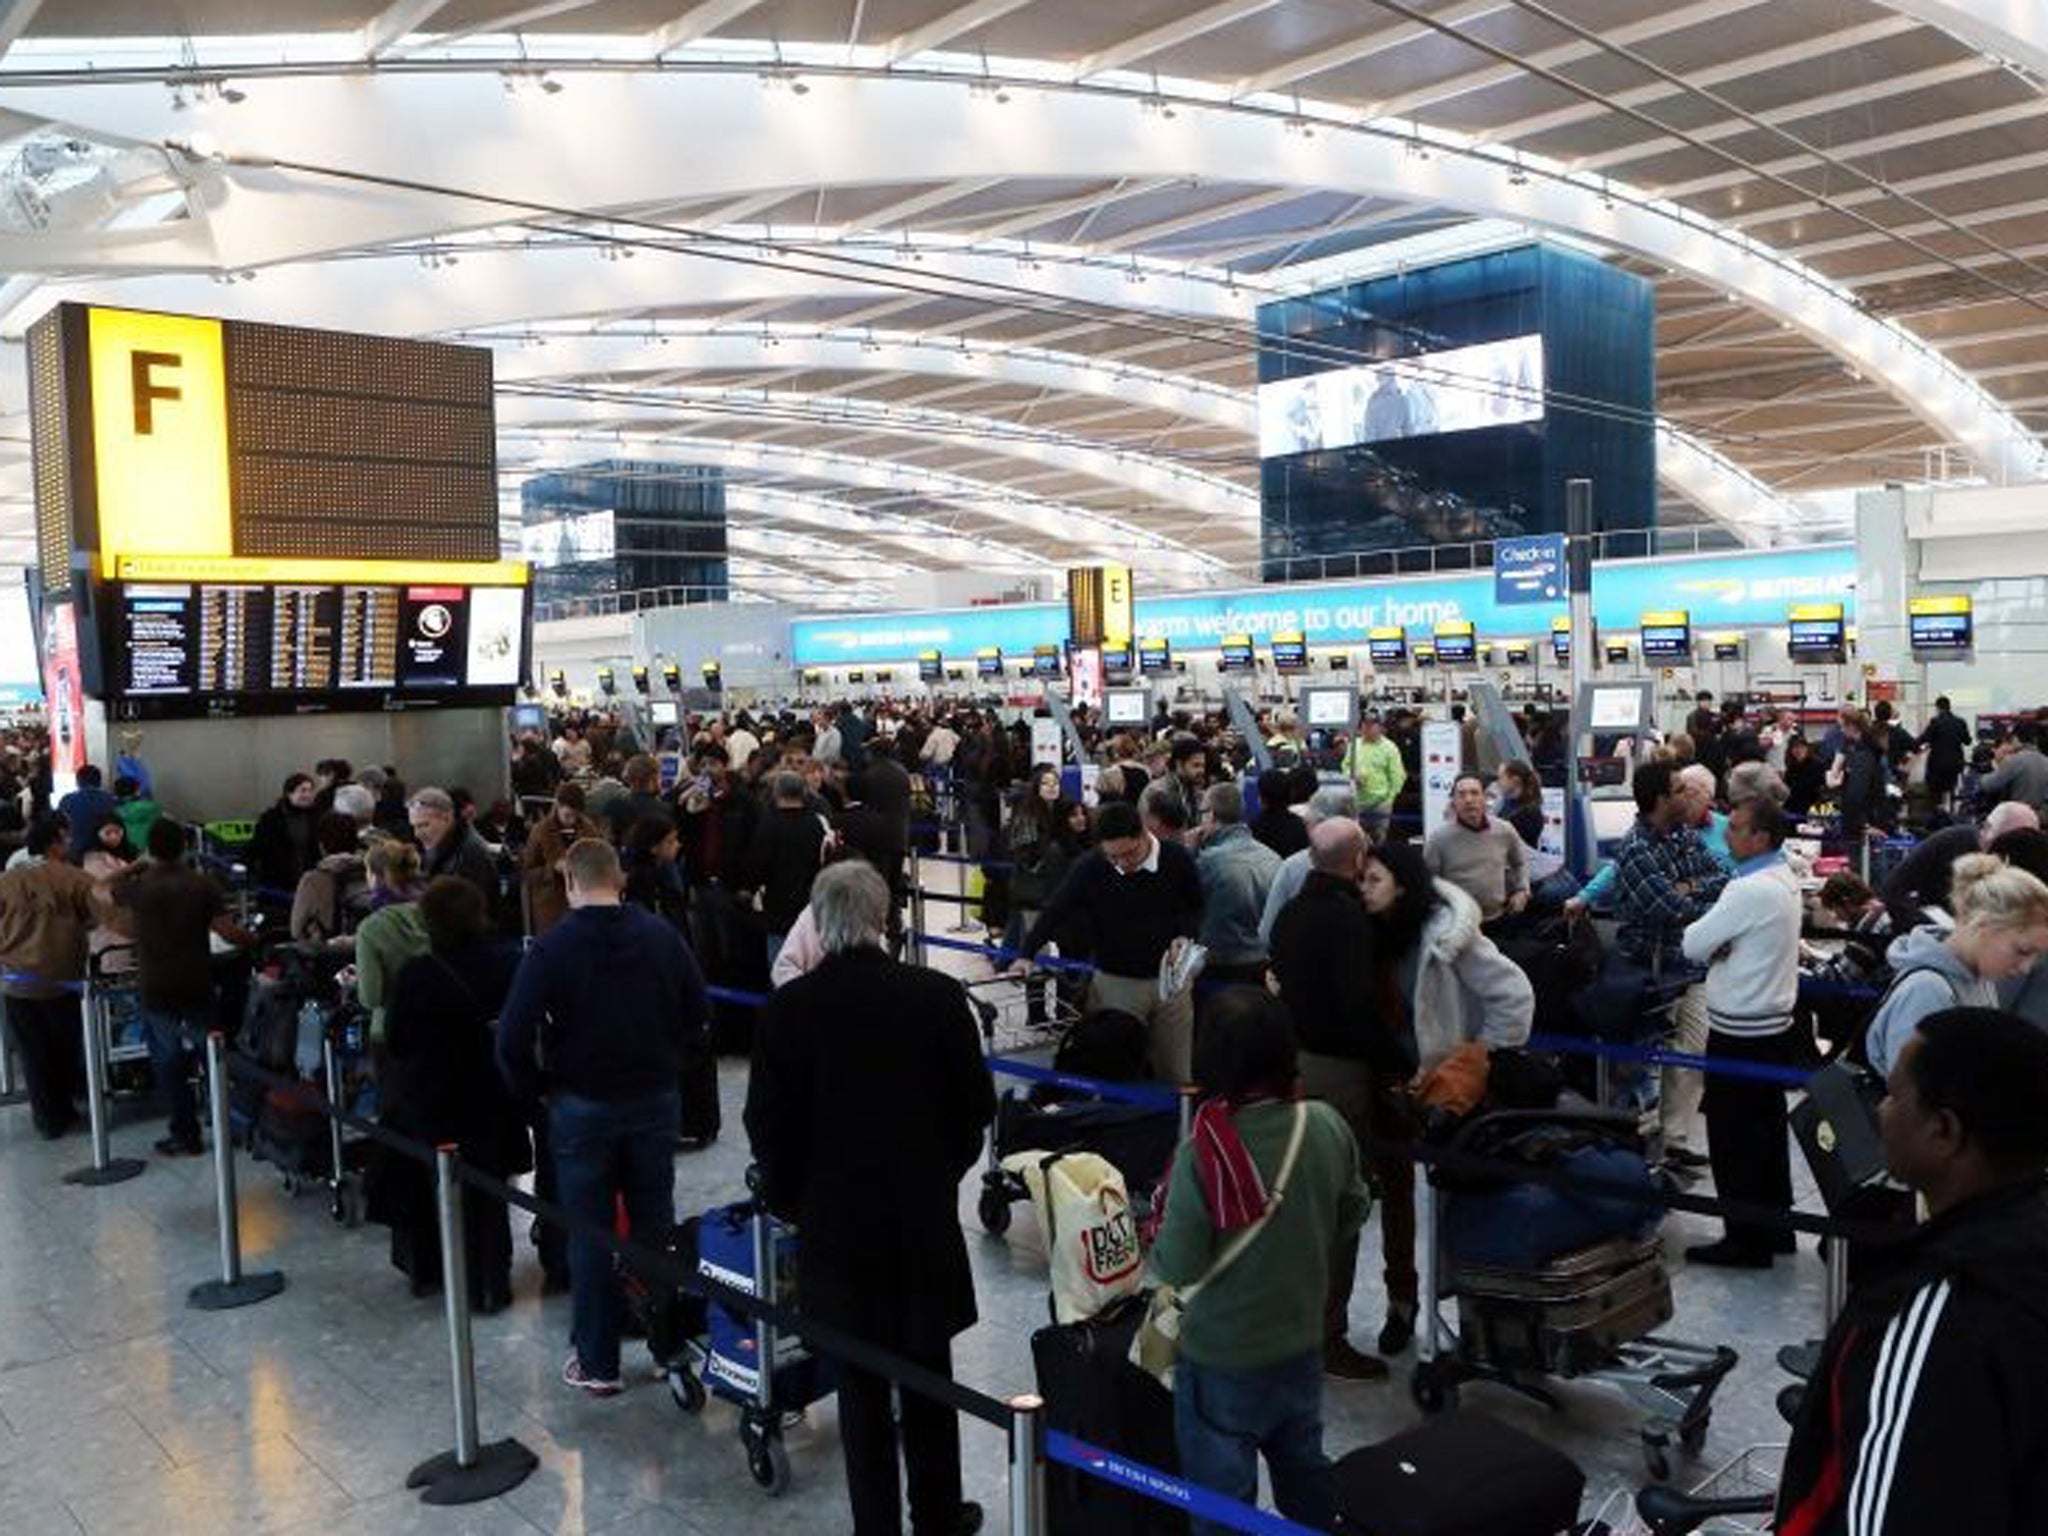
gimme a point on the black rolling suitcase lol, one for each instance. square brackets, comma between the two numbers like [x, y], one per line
[1094, 1393]
[1461, 1474]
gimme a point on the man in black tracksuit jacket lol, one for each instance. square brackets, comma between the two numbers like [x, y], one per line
[1929, 1410]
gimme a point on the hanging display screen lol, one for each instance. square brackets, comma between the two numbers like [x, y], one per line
[1290, 653]
[1155, 656]
[931, 667]
[988, 663]
[1493, 384]
[234, 647]
[1237, 653]
[1387, 647]
[1667, 637]
[1818, 635]
[1457, 645]
[1046, 661]
[1940, 626]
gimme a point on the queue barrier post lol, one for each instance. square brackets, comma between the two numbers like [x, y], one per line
[1027, 1466]
[330, 1076]
[104, 1168]
[233, 1288]
[1836, 1291]
[920, 952]
[10, 1089]
[472, 1472]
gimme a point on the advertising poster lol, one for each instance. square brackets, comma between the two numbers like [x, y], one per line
[65, 690]
[1046, 745]
[1443, 758]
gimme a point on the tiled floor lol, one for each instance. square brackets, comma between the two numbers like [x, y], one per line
[123, 1411]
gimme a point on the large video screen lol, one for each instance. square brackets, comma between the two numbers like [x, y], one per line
[235, 646]
[558, 541]
[1494, 384]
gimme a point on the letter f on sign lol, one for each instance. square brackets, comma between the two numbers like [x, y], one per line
[147, 389]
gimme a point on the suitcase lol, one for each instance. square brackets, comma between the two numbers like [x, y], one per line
[1525, 1226]
[731, 1365]
[1460, 1474]
[1567, 1318]
[1094, 1393]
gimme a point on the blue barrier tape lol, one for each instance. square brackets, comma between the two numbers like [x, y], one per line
[957, 858]
[1150, 1095]
[1657, 1056]
[1164, 1488]
[28, 979]
[1812, 988]
[1006, 956]
[729, 995]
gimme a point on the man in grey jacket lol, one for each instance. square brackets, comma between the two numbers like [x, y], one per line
[2021, 775]
[1237, 872]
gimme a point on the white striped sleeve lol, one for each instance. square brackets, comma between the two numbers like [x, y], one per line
[1904, 1354]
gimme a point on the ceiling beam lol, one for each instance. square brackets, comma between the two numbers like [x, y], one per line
[1659, 25]
[905, 209]
[398, 20]
[15, 16]
[943, 28]
[1803, 52]
[1171, 34]
[1200, 218]
[1806, 107]
[698, 21]
[505, 21]
[1353, 49]
[1838, 155]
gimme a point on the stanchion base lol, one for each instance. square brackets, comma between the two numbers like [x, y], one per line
[119, 1170]
[225, 1295]
[499, 1467]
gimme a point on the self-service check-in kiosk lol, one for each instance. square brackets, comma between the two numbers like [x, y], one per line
[1609, 723]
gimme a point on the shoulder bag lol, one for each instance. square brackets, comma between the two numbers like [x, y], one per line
[1155, 1349]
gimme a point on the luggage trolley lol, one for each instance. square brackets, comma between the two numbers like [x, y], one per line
[748, 1362]
[1138, 1138]
[1590, 1314]
[113, 1006]
[1736, 1499]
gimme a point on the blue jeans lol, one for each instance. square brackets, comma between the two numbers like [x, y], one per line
[173, 1036]
[603, 1151]
[1223, 1420]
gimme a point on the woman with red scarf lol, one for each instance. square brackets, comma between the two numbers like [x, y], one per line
[1261, 1192]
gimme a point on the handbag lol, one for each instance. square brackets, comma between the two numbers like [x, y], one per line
[1155, 1349]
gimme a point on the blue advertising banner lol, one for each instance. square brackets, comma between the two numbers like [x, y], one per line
[1529, 570]
[1722, 591]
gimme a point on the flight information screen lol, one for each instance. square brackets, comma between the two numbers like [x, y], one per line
[297, 644]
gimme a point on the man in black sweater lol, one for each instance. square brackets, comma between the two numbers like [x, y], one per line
[608, 999]
[1137, 897]
[1322, 957]
[1929, 1408]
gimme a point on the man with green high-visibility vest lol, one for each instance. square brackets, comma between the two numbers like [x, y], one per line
[1373, 763]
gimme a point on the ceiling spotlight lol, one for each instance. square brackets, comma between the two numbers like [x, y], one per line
[986, 89]
[1517, 177]
[233, 95]
[178, 101]
[1418, 149]
[780, 77]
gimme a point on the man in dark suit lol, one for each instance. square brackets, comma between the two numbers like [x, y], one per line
[867, 1107]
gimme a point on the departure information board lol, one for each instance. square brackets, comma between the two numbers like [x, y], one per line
[298, 642]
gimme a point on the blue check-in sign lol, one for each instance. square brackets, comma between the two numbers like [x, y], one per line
[1529, 570]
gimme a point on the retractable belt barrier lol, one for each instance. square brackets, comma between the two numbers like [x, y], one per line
[1164, 1488]
[1658, 1056]
[1147, 1095]
[655, 1265]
